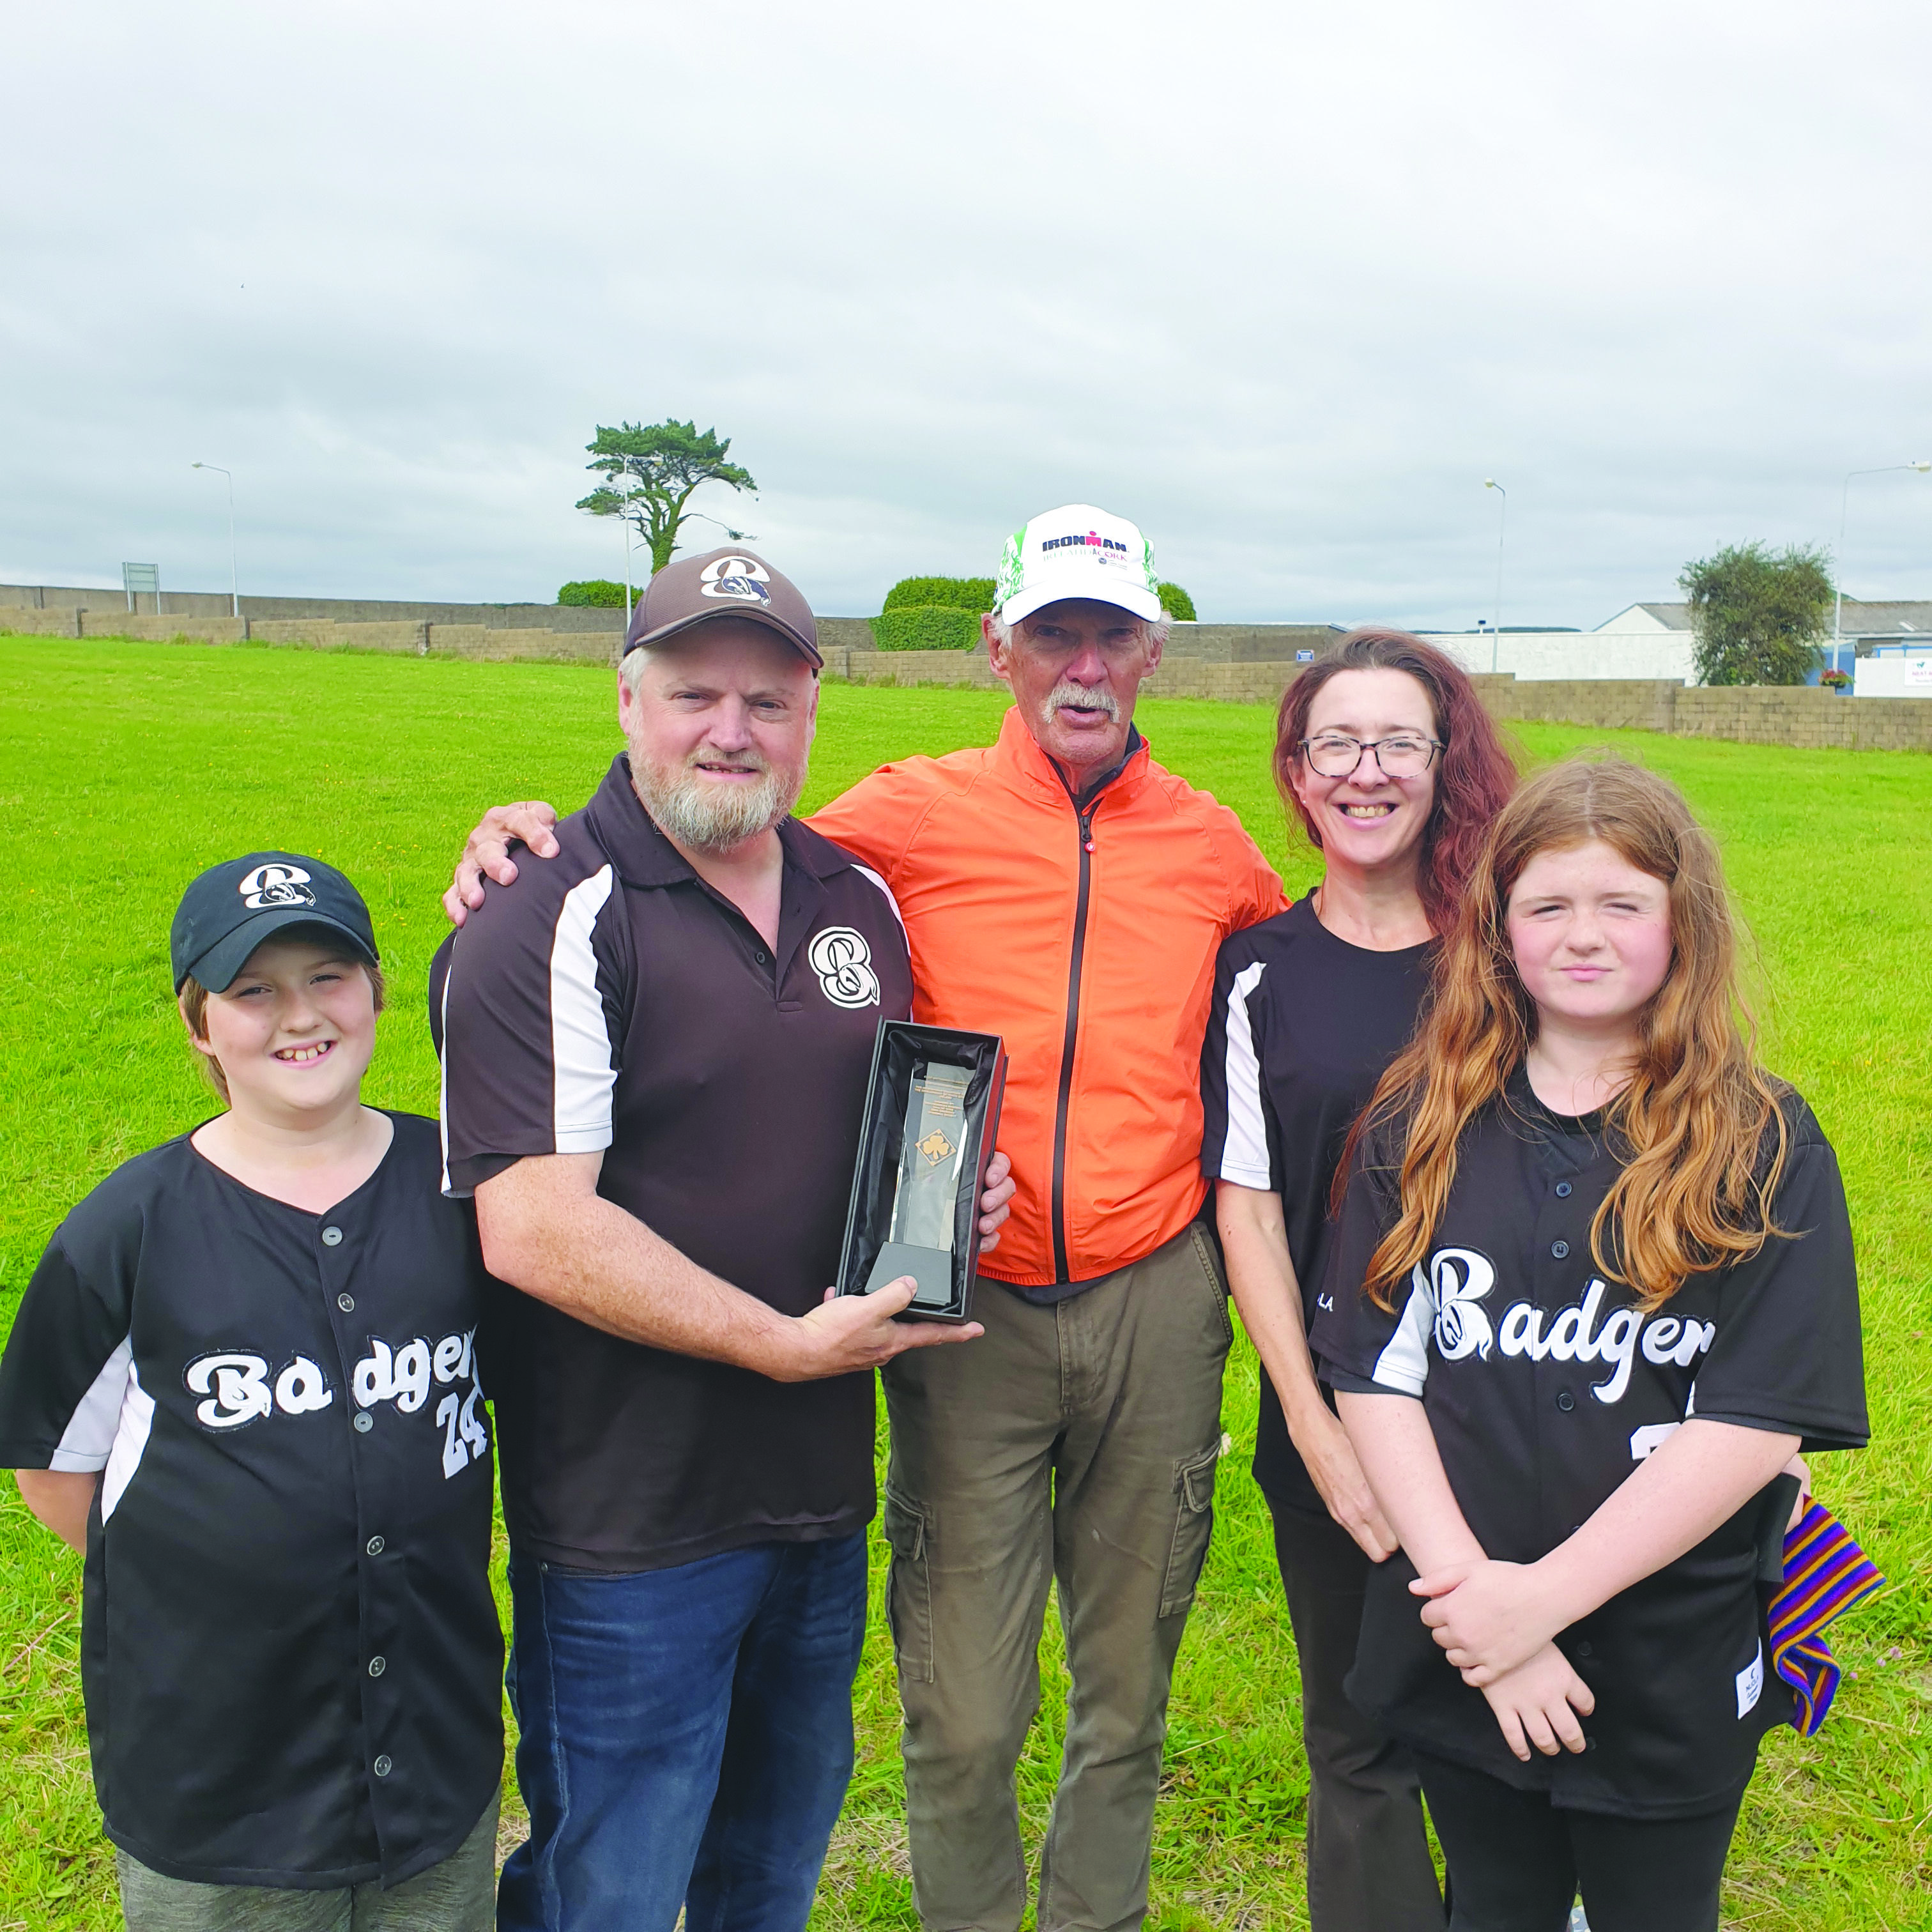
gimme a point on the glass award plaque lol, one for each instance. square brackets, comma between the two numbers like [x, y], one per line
[932, 1109]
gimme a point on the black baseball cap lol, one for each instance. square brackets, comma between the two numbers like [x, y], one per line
[232, 908]
[723, 583]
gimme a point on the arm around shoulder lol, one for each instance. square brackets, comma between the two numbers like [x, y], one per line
[875, 819]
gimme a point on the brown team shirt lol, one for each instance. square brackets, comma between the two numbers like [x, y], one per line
[611, 1001]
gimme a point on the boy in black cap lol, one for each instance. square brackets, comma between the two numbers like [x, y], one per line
[243, 1382]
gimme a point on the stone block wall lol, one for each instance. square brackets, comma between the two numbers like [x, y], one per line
[1805, 717]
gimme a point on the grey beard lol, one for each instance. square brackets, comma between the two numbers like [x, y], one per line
[712, 817]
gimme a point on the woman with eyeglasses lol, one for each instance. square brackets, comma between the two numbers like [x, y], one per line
[1385, 754]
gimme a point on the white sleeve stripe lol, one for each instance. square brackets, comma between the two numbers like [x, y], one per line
[866, 871]
[1244, 1154]
[1404, 1363]
[88, 1437]
[130, 1443]
[580, 1059]
[443, 1081]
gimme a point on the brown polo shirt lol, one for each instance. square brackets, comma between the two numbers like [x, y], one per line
[611, 1001]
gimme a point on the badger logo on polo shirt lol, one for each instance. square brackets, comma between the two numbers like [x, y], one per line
[741, 580]
[274, 885]
[843, 961]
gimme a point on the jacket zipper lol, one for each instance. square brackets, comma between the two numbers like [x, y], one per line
[1085, 821]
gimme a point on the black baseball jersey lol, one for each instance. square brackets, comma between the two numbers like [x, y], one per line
[1303, 1025]
[1545, 1387]
[291, 1657]
[611, 1001]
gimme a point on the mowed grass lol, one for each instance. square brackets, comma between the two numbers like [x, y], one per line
[125, 768]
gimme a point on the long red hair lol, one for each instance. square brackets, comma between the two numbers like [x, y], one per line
[1473, 780]
[1700, 1130]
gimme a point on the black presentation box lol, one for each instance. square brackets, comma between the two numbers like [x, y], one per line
[932, 1111]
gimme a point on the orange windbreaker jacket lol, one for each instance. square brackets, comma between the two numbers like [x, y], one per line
[1087, 940]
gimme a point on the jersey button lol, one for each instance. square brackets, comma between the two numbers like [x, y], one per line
[375, 1546]
[362, 1425]
[1583, 1650]
[1565, 1401]
[1559, 1249]
[1563, 1190]
[346, 1302]
[763, 959]
[331, 1237]
[377, 1665]
[383, 1766]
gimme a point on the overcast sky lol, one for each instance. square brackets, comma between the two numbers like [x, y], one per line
[1283, 284]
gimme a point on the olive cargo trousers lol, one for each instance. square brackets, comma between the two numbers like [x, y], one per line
[1076, 1442]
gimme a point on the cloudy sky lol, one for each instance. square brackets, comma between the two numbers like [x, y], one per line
[1284, 283]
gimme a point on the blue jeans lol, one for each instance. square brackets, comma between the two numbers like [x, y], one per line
[686, 1739]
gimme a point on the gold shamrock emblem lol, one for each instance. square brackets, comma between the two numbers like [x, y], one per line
[935, 1146]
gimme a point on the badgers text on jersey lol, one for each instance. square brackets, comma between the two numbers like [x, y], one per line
[237, 1387]
[1452, 1292]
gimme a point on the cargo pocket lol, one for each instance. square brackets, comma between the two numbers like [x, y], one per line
[908, 1587]
[1194, 1522]
[1204, 1253]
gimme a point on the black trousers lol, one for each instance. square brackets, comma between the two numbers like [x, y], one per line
[1519, 1861]
[1369, 1864]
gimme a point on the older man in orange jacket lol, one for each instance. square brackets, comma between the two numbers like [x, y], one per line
[1061, 889]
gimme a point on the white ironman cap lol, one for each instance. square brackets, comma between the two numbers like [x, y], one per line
[1077, 551]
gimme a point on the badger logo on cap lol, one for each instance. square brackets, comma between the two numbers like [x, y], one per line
[741, 579]
[268, 886]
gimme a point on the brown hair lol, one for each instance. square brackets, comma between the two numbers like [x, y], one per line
[193, 1000]
[1475, 776]
[1693, 1125]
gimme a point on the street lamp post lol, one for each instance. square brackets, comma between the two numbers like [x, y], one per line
[1838, 562]
[234, 573]
[1502, 526]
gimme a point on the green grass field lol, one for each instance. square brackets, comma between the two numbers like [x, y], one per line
[126, 768]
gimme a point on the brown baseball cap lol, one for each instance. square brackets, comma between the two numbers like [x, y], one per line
[723, 583]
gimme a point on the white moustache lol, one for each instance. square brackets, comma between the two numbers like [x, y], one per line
[1068, 696]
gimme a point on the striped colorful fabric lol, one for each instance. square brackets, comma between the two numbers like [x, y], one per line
[1825, 1572]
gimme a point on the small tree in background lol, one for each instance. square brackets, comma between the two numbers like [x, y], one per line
[602, 591]
[957, 593]
[652, 470]
[1176, 602]
[1759, 614]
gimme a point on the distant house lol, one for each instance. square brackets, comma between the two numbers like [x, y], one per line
[1878, 628]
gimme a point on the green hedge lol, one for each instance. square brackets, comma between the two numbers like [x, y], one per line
[1176, 602]
[927, 627]
[957, 593]
[599, 590]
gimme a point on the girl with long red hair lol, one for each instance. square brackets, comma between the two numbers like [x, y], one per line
[1591, 1292]
[1386, 757]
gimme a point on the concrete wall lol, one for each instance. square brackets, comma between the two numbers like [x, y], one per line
[1760, 715]
[396, 638]
[1651, 652]
[1248, 644]
[1803, 715]
[204, 604]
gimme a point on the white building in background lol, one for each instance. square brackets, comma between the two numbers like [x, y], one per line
[1655, 641]
[1646, 641]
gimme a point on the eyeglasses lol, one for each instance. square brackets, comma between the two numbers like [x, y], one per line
[1335, 755]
